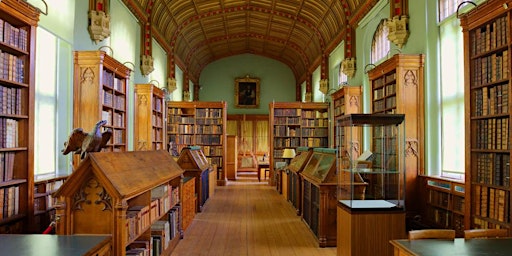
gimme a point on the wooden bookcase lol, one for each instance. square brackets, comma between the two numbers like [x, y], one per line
[149, 115]
[199, 123]
[297, 124]
[194, 163]
[319, 202]
[397, 88]
[18, 21]
[445, 203]
[132, 196]
[231, 158]
[44, 202]
[487, 48]
[100, 90]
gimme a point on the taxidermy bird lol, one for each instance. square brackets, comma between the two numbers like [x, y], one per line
[81, 142]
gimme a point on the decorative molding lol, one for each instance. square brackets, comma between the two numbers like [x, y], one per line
[171, 84]
[398, 30]
[146, 64]
[308, 97]
[88, 188]
[411, 147]
[324, 85]
[99, 21]
[410, 78]
[348, 67]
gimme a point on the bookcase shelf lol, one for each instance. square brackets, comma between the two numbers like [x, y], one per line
[397, 88]
[200, 124]
[487, 105]
[297, 124]
[44, 202]
[133, 196]
[18, 21]
[149, 115]
[100, 87]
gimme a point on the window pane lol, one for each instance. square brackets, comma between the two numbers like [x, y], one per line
[380, 43]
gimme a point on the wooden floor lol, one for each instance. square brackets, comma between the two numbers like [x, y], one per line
[249, 218]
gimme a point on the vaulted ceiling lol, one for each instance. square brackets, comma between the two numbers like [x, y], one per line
[295, 32]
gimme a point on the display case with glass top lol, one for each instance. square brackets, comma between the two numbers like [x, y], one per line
[380, 169]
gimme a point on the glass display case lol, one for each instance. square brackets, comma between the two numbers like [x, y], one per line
[375, 178]
[294, 171]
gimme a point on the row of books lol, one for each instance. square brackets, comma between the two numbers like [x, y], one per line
[384, 103]
[208, 121]
[438, 198]
[209, 113]
[157, 104]
[313, 114]
[118, 136]
[492, 169]
[492, 203]
[213, 150]
[381, 92]
[314, 142]
[287, 112]
[440, 217]
[494, 134]
[286, 143]
[486, 224]
[490, 69]
[180, 119]
[208, 139]
[285, 131]
[10, 103]
[111, 81]
[157, 120]
[6, 166]
[8, 133]
[491, 100]
[11, 67]
[319, 122]
[182, 140]
[490, 36]
[9, 201]
[14, 36]
[287, 120]
[381, 81]
[115, 101]
[209, 129]
[315, 132]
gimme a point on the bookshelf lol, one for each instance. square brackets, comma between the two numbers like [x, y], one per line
[18, 21]
[202, 124]
[100, 93]
[487, 45]
[445, 203]
[133, 196]
[296, 124]
[149, 115]
[397, 88]
[44, 202]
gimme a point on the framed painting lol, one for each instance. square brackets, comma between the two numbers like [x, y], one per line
[247, 92]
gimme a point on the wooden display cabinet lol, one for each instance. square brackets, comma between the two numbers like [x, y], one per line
[18, 19]
[487, 48]
[132, 196]
[149, 115]
[99, 93]
[231, 157]
[296, 124]
[347, 100]
[295, 168]
[319, 195]
[201, 124]
[194, 163]
[188, 202]
[397, 88]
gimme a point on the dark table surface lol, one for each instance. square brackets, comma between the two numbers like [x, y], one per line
[457, 247]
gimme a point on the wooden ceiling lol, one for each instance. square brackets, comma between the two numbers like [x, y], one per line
[295, 32]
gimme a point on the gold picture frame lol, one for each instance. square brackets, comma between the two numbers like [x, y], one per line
[247, 92]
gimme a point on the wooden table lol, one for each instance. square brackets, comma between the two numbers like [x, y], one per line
[263, 166]
[457, 247]
[51, 245]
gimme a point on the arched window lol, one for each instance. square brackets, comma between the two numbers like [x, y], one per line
[380, 42]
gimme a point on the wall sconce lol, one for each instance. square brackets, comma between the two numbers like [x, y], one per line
[171, 84]
[307, 97]
[186, 96]
[99, 25]
[146, 64]
[324, 85]
[348, 67]
[398, 30]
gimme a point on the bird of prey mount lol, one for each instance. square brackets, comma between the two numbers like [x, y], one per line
[81, 142]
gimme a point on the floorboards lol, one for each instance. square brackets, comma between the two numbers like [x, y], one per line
[249, 218]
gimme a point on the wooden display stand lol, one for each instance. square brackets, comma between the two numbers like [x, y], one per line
[20, 19]
[367, 233]
[123, 194]
[296, 167]
[397, 88]
[194, 163]
[149, 115]
[487, 105]
[189, 201]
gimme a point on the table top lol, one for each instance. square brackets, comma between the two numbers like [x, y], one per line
[50, 245]
[457, 247]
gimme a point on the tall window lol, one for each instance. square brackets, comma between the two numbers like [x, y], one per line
[380, 43]
[452, 90]
[45, 103]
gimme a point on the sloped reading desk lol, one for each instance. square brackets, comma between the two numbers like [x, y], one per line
[194, 163]
[132, 196]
